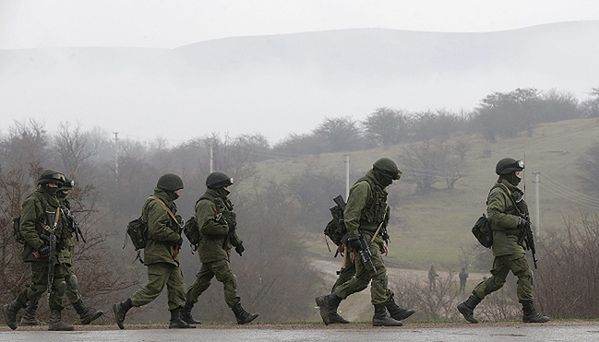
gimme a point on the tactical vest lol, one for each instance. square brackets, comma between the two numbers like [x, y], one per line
[376, 205]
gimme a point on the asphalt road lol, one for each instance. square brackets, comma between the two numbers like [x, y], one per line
[557, 331]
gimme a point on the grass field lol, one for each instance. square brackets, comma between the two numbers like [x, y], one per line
[432, 227]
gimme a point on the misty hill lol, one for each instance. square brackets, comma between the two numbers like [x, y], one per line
[433, 227]
[280, 84]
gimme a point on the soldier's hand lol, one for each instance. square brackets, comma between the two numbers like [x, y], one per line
[180, 242]
[384, 249]
[341, 249]
[42, 252]
[240, 249]
[522, 223]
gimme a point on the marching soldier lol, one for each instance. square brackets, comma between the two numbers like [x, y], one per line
[217, 225]
[45, 235]
[507, 213]
[365, 214]
[161, 253]
[86, 314]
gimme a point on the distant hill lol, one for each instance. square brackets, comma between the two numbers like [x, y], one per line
[433, 227]
[286, 83]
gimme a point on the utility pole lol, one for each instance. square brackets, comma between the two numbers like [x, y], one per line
[116, 152]
[211, 156]
[537, 204]
[346, 177]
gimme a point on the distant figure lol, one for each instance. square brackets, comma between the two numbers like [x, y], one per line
[463, 277]
[508, 215]
[432, 278]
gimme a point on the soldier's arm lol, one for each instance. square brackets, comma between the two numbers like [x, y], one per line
[31, 213]
[353, 209]
[235, 239]
[159, 224]
[206, 216]
[496, 207]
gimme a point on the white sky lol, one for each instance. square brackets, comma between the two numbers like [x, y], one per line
[171, 23]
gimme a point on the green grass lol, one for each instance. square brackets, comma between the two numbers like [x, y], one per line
[433, 227]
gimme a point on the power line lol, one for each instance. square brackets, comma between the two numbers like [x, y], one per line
[569, 197]
[568, 190]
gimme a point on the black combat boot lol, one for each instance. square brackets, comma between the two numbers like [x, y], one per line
[467, 308]
[120, 310]
[328, 305]
[56, 324]
[530, 315]
[176, 321]
[86, 314]
[10, 313]
[396, 311]
[28, 317]
[242, 316]
[381, 318]
[186, 314]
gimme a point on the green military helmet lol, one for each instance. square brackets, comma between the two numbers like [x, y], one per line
[50, 176]
[170, 182]
[218, 180]
[388, 168]
[508, 165]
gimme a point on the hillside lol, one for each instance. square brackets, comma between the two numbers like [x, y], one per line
[278, 84]
[433, 227]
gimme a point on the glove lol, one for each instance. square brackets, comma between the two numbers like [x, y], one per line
[354, 243]
[180, 242]
[240, 249]
[522, 223]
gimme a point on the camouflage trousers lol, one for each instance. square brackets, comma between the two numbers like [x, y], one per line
[222, 271]
[379, 291]
[39, 284]
[160, 275]
[502, 265]
[71, 288]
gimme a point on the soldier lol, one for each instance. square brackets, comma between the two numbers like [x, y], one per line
[217, 225]
[463, 277]
[507, 212]
[86, 314]
[45, 234]
[161, 254]
[432, 278]
[365, 214]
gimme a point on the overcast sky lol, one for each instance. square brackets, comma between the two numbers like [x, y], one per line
[171, 23]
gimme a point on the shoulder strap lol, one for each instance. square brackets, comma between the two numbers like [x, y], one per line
[170, 213]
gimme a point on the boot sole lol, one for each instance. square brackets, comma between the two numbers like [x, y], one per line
[461, 309]
[404, 316]
[116, 317]
[92, 318]
[381, 324]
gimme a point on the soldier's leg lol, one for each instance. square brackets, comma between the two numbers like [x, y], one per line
[357, 283]
[157, 278]
[32, 292]
[379, 291]
[501, 268]
[223, 273]
[485, 287]
[200, 284]
[176, 298]
[522, 270]
[86, 313]
[347, 271]
[56, 300]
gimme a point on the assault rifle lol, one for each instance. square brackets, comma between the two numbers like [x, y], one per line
[526, 236]
[52, 252]
[366, 256]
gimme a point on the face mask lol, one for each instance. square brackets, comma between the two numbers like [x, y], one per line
[381, 178]
[513, 179]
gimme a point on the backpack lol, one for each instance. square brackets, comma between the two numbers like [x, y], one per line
[192, 232]
[16, 230]
[138, 232]
[336, 229]
[482, 231]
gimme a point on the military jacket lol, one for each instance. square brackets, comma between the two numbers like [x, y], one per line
[366, 206]
[217, 235]
[163, 231]
[504, 219]
[37, 213]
